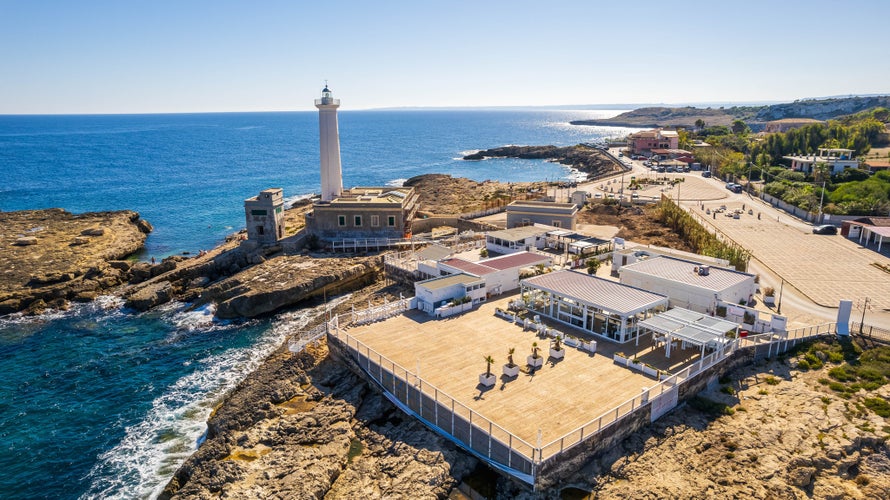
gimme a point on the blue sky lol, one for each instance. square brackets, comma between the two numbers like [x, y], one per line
[140, 56]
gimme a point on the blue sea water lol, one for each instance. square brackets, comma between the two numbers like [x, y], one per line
[101, 402]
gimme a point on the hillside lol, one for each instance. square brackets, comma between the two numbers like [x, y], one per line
[754, 116]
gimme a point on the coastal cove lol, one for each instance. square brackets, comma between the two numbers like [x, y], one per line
[119, 399]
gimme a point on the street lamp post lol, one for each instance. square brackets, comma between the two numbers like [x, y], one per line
[821, 198]
[781, 288]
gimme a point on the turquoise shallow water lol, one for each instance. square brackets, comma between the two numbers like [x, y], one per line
[101, 402]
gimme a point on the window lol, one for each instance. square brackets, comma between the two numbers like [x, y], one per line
[258, 212]
[260, 230]
[375, 220]
[357, 220]
[556, 223]
[391, 221]
[341, 220]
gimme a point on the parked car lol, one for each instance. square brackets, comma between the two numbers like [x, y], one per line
[825, 229]
[706, 173]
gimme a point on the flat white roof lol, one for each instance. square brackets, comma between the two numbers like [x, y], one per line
[683, 271]
[444, 281]
[691, 326]
[597, 292]
[517, 233]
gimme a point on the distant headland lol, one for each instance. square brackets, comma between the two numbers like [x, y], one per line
[754, 116]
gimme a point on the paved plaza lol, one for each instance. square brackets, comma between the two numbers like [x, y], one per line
[556, 398]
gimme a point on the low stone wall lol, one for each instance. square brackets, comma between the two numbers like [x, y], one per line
[419, 226]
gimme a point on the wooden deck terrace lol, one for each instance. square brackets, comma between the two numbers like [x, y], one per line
[554, 399]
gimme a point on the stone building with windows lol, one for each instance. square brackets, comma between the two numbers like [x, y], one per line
[364, 212]
[265, 216]
[548, 213]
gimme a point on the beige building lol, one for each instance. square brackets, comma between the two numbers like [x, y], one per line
[548, 213]
[265, 216]
[364, 212]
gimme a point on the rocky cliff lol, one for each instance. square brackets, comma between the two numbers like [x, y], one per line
[304, 426]
[49, 257]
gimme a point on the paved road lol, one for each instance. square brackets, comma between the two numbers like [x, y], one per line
[818, 270]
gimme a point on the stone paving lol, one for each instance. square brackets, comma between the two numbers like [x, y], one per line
[825, 268]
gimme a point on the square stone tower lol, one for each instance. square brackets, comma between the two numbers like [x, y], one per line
[265, 216]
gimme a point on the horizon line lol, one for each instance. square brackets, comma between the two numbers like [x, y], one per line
[562, 107]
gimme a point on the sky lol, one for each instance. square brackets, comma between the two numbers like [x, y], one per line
[160, 56]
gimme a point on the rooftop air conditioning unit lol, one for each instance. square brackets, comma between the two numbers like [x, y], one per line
[704, 270]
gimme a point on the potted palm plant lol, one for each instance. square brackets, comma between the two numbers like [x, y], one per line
[535, 360]
[556, 349]
[487, 379]
[511, 369]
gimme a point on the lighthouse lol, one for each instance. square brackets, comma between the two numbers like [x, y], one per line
[329, 141]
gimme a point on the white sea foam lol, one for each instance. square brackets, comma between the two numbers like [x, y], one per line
[290, 200]
[140, 465]
[396, 182]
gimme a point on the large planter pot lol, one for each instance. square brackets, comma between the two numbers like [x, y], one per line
[769, 300]
[535, 362]
[487, 380]
[557, 354]
[511, 371]
[589, 346]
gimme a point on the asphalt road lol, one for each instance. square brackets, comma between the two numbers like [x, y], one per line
[814, 272]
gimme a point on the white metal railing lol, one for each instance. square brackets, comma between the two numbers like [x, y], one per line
[464, 425]
[303, 338]
[381, 312]
[502, 447]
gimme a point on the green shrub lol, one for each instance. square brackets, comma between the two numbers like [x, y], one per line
[813, 360]
[803, 365]
[837, 386]
[836, 357]
[727, 389]
[840, 373]
[878, 405]
[770, 380]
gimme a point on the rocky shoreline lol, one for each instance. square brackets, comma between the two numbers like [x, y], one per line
[591, 161]
[50, 257]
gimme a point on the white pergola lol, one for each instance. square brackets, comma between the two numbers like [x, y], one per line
[690, 327]
[879, 232]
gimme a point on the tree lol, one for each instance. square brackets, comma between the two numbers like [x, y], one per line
[593, 264]
[510, 357]
[700, 124]
[739, 127]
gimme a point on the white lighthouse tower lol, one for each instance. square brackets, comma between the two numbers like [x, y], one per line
[329, 135]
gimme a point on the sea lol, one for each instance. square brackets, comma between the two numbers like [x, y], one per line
[102, 402]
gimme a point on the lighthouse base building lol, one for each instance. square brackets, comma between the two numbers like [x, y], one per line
[360, 212]
[364, 212]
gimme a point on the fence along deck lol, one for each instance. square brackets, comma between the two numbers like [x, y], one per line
[497, 446]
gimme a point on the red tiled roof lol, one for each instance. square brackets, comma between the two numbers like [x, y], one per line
[469, 267]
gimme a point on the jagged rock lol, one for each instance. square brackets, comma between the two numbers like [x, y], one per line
[93, 231]
[284, 281]
[25, 241]
[150, 296]
[165, 266]
[140, 272]
[80, 240]
[801, 476]
[144, 226]
[10, 306]
[121, 265]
